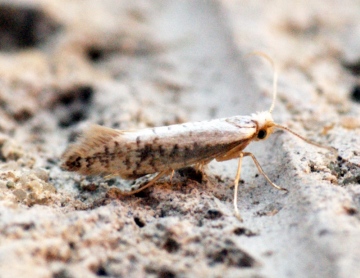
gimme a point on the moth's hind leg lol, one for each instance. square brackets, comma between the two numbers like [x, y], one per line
[150, 183]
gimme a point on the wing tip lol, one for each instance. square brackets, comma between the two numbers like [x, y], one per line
[89, 141]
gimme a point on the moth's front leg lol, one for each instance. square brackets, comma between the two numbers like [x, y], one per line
[236, 153]
[262, 171]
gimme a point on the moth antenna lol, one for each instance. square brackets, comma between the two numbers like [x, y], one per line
[275, 77]
[332, 149]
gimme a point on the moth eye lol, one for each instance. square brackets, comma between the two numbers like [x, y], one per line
[261, 134]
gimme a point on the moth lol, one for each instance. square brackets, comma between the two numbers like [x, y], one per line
[131, 154]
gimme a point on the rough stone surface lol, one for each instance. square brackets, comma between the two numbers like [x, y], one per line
[132, 64]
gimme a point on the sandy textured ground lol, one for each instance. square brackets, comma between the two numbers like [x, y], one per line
[133, 64]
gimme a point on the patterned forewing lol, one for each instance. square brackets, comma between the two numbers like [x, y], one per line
[131, 154]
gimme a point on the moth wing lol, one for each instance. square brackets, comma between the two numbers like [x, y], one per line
[90, 142]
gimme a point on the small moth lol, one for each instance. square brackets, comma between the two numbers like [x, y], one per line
[133, 154]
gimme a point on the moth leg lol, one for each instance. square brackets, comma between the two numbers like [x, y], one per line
[172, 175]
[150, 183]
[262, 171]
[200, 165]
[236, 189]
[199, 168]
[108, 177]
[231, 155]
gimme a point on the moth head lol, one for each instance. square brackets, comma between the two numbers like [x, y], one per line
[265, 125]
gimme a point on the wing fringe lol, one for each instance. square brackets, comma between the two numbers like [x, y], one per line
[90, 141]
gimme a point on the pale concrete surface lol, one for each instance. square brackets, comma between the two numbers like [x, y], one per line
[134, 64]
